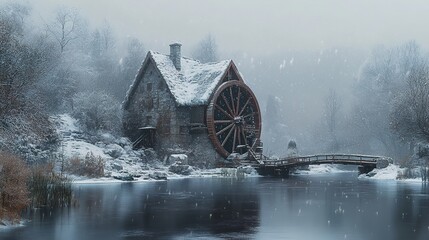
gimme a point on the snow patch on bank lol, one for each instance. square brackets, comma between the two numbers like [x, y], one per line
[122, 163]
[321, 169]
[81, 149]
[391, 172]
[388, 173]
[72, 144]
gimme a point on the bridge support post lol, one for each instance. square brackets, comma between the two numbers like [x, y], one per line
[364, 169]
[273, 171]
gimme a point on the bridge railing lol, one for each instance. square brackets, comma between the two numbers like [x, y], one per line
[324, 158]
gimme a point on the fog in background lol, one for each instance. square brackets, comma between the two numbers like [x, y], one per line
[293, 54]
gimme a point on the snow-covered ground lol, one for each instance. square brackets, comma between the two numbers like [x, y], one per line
[321, 169]
[388, 173]
[391, 172]
[121, 161]
[124, 163]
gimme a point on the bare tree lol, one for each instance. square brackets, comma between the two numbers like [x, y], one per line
[206, 50]
[22, 62]
[381, 80]
[65, 28]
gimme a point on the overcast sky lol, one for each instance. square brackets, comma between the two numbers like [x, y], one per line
[259, 26]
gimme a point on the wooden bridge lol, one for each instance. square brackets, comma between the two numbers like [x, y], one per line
[282, 167]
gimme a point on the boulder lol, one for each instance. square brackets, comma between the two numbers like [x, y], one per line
[114, 150]
[123, 142]
[124, 177]
[116, 166]
[107, 138]
[158, 175]
[246, 170]
[177, 158]
[181, 169]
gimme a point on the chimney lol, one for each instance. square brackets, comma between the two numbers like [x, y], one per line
[175, 54]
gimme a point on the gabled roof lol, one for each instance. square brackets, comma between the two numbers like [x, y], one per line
[192, 85]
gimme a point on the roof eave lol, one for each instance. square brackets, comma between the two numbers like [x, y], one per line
[137, 78]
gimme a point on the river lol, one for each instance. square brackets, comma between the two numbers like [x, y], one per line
[329, 206]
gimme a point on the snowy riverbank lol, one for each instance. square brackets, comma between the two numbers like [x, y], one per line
[124, 163]
[391, 172]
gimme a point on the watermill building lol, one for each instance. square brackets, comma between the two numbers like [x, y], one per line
[180, 105]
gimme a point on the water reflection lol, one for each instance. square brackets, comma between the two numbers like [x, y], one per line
[335, 206]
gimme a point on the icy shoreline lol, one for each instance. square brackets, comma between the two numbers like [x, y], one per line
[392, 172]
[123, 164]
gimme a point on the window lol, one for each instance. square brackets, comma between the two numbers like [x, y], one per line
[149, 87]
[149, 104]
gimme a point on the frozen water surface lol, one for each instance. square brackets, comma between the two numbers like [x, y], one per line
[323, 206]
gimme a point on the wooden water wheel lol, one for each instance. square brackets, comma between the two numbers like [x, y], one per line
[233, 118]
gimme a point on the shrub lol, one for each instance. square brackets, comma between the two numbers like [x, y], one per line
[97, 111]
[91, 166]
[14, 195]
[49, 188]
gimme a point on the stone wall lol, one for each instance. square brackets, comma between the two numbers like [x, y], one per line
[153, 105]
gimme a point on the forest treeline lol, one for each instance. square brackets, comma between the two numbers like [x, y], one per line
[61, 65]
[64, 66]
[387, 111]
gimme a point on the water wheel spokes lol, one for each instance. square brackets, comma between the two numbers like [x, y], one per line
[231, 123]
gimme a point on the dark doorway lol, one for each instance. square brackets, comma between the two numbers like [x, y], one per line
[146, 139]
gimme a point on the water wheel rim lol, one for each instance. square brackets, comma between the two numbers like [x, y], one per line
[233, 118]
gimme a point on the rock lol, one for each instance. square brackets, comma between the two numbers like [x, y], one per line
[140, 153]
[158, 175]
[150, 155]
[107, 138]
[123, 142]
[135, 160]
[181, 169]
[114, 150]
[117, 166]
[124, 177]
[100, 144]
[246, 170]
[177, 158]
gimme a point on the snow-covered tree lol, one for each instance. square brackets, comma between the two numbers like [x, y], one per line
[65, 28]
[129, 67]
[382, 77]
[97, 111]
[410, 116]
[23, 62]
[206, 50]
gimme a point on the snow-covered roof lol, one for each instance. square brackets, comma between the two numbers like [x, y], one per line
[192, 85]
